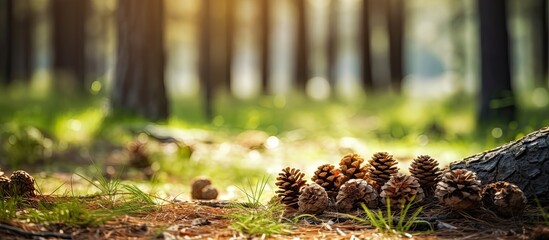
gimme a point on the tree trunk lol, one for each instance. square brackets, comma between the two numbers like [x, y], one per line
[301, 53]
[21, 30]
[139, 80]
[265, 18]
[395, 21]
[69, 35]
[541, 49]
[332, 44]
[524, 162]
[6, 17]
[497, 105]
[366, 67]
[206, 82]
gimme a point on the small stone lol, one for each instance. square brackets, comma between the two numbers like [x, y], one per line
[209, 193]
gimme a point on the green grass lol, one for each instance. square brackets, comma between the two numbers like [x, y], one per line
[8, 208]
[309, 131]
[255, 218]
[384, 222]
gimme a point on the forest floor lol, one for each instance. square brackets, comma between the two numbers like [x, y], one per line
[208, 220]
[88, 187]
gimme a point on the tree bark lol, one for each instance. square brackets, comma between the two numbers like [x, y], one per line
[366, 67]
[139, 80]
[301, 53]
[497, 105]
[6, 17]
[69, 35]
[395, 20]
[541, 49]
[265, 18]
[524, 162]
[206, 82]
[21, 39]
[332, 44]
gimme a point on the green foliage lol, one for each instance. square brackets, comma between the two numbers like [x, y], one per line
[71, 212]
[544, 214]
[23, 144]
[384, 222]
[255, 218]
[107, 187]
[8, 208]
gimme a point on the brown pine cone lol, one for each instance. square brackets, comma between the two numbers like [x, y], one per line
[209, 193]
[401, 190]
[4, 186]
[425, 169]
[313, 199]
[504, 198]
[327, 176]
[459, 189]
[197, 185]
[139, 157]
[22, 184]
[350, 167]
[290, 181]
[353, 193]
[382, 167]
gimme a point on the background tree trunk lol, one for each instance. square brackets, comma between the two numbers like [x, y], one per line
[265, 18]
[524, 162]
[6, 17]
[366, 67]
[301, 50]
[21, 39]
[206, 82]
[69, 34]
[332, 44]
[497, 105]
[395, 21]
[540, 31]
[139, 80]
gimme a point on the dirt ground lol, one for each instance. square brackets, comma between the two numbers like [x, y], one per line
[207, 220]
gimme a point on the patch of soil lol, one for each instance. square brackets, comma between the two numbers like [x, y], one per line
[206, 220]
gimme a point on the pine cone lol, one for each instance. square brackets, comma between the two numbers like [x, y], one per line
[22, 184]
[327, 176]
[354, 192]
[382, 167]
[426, 170]
[200, 186]
[290, 182]
[459, 189]
[4, 186]
[401, 190]
[139, 158]
[350, 167]
[209, 193]
[313, 199]
[504, 198]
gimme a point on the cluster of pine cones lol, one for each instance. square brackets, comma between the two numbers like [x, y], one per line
[345, 188]
[19, 183]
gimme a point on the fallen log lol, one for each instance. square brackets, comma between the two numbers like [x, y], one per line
[524, 162]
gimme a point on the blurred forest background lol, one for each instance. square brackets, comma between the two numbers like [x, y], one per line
[211, 85]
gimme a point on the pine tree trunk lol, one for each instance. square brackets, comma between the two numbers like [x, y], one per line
[206, 85]
[6, 17]
[524, 162]
[367, 81]
[395, 20]
[265, 18]
[332, 44]
[139, 80]
[69, 35]
[301, 53]
[497, 103]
